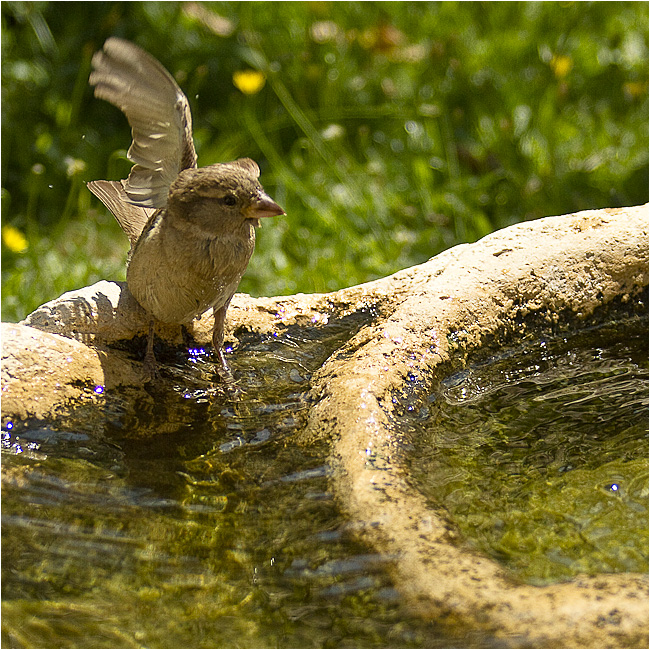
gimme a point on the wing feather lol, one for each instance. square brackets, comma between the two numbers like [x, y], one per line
[159, 115]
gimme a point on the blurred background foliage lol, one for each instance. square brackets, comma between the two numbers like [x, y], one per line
[389, 131]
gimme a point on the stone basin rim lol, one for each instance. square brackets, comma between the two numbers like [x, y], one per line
[580, 263]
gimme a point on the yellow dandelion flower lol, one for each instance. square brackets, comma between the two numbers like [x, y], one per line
[249, 82]
[14, 239]
[561, 65]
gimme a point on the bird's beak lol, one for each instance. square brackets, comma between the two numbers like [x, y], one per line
[263, 206]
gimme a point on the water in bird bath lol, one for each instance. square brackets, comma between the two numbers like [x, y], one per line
[540, 453]
[194, 518]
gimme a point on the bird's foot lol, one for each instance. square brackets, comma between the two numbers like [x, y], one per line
[150, 372]
[223, 370]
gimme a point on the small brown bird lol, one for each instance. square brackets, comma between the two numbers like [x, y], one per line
[192, 230]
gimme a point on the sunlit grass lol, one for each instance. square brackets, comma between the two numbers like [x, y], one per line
[387, 131]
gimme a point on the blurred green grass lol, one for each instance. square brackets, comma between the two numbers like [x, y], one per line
[388, 131]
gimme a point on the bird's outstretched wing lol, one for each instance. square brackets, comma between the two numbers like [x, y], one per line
[159, 115]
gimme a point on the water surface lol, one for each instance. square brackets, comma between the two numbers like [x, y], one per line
[540, 453]
[194, 518]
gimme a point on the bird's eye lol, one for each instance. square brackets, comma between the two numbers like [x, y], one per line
[229, 200]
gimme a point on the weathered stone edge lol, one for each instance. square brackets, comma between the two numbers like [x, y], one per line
[576, 262]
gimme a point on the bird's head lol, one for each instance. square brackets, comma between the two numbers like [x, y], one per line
[222, 196]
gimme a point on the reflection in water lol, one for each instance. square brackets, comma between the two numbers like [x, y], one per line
[540, 453]
[192, 518]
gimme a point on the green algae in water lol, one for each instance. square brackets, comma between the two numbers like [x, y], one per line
[194, 519]
[540, 454]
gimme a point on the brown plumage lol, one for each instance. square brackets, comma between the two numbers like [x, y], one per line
[192, 230]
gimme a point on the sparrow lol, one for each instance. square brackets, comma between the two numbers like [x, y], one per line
[192, 230]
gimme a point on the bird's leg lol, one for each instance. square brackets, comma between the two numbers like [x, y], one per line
[217, 342]
[149, 368]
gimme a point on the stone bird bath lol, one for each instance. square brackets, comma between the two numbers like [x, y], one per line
[528, 275]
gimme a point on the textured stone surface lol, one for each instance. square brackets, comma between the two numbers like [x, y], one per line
[465, 296]
[42, 372]
[575, 263]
